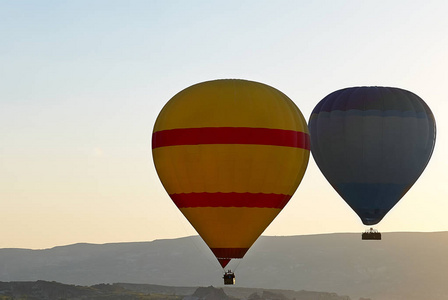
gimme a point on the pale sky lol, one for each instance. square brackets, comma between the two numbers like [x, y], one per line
[82, 82]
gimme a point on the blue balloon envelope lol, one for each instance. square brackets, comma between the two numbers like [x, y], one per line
[372, 144]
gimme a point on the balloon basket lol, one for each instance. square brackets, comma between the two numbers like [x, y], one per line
[229, 278]
[371, 234]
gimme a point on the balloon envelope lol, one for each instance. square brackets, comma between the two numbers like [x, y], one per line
[230, 153]
[372, 144]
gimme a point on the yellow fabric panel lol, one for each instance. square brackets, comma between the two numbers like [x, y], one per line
[230, 227]
[231, 103]
[230, 168]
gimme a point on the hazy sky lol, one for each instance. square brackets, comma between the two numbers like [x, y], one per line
[82, 82]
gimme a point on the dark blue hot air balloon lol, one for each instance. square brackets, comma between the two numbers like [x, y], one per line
[372, 144]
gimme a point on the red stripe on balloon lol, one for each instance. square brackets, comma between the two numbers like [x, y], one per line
[229, 252]
[224, 261]
[230, 135]
[259, 200]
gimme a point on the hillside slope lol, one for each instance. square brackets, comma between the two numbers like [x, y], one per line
[409, 266]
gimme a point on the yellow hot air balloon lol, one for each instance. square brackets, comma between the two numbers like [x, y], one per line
[230, 153]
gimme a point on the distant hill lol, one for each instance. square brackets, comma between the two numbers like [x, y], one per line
[408, 266]
[44, 290]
